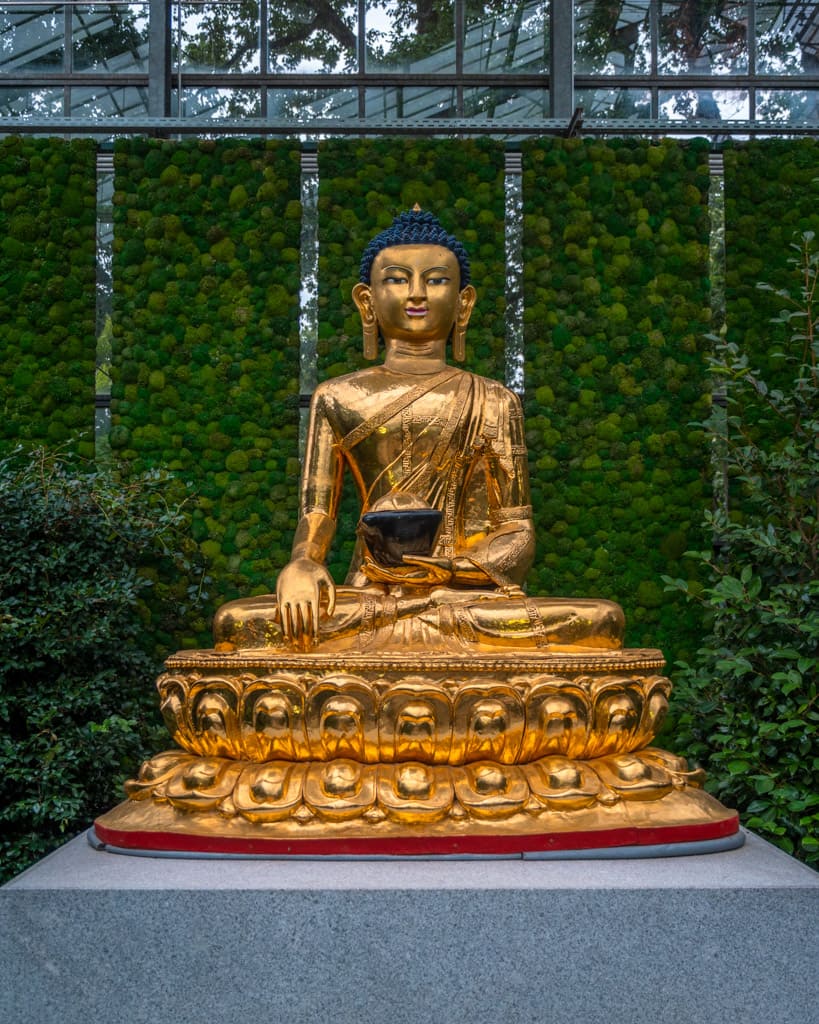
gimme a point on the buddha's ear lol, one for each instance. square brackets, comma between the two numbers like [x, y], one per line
[466, 301]
[363, 298]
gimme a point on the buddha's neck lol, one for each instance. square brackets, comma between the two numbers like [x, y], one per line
[415, 357]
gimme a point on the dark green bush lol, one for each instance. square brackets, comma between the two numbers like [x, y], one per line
[78, 711]
[747, 708]
[770, 198]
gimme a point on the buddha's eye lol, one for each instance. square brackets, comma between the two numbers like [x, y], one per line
[395, 279]
[437, 280]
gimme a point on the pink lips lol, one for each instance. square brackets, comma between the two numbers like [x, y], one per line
[416, 311]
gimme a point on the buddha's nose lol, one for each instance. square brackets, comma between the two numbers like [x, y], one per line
[418, 288]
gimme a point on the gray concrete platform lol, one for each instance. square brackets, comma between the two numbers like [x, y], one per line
[717, 939]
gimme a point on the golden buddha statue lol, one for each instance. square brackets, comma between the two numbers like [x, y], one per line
[415, 432]
[428, 705]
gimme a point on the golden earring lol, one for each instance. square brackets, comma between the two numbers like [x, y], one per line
[459, 343]
[370, 329]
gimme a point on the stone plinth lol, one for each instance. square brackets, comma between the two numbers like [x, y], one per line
[729, 937]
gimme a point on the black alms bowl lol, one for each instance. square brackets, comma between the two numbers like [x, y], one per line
[393, 533]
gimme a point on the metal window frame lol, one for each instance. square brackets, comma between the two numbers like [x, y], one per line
[560, 82]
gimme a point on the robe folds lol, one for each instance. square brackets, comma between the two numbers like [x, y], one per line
[452, 439]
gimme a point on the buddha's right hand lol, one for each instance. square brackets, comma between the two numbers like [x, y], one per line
[303, 586]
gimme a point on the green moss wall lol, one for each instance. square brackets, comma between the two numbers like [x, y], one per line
[616, 309]
[47, 296]
[363, 185]
[206, 349]
[206, 280]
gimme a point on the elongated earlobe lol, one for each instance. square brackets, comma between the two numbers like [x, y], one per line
[459, 343]
[362, 297]
[468, 296]
[370, 340]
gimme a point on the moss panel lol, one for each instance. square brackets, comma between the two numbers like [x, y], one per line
[47, 291]
[616, 312]
[206, 348]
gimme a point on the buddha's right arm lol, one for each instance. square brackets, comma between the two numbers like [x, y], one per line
[305, 583]
[314, 534]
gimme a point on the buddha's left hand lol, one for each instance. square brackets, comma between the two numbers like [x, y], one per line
[417, 571]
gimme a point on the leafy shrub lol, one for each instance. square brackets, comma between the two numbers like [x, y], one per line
[78, 551]
[748, 706]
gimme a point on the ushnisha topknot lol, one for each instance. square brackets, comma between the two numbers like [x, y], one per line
[415, 227]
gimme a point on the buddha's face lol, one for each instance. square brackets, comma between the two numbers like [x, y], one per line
[415, 293]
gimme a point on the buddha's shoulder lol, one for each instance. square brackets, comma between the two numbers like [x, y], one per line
[495, 389]
[353, 387]
[349, 384]
[351, 394]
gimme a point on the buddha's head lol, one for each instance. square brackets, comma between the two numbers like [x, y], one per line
[414, 284]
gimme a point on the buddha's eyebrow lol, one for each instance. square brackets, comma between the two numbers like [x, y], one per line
[407, 270]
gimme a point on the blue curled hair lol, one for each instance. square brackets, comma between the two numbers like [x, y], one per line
[415, 227]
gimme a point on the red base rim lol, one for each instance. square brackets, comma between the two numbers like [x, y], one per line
[420, 845]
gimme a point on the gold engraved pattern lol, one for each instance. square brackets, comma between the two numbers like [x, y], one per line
[388, 717]
[412, 793]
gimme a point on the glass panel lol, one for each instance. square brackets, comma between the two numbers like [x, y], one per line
[301, 106]
[703, 38]
[705, 104]
[213, 102]
[506, 36]
[621, 103]
[99, 101]
[411, 36]
[787, 105]
[105, 303]
[502, 104]
[18, 102]
[787, 37]
[308, 37]
[496, 103]
[32, 39]
[110, 37]
[612, 38]
[213, 37]
[410, 101]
